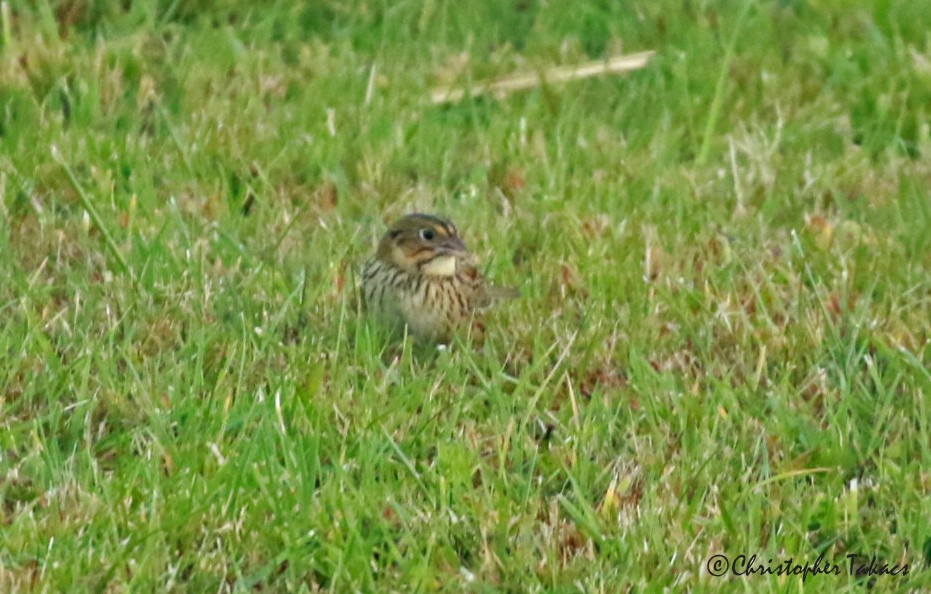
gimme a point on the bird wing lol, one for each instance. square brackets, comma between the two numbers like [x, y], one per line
[482, 294]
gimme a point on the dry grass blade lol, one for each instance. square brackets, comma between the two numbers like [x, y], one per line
[518, 82]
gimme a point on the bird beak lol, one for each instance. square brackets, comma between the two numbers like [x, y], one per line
[453, 246]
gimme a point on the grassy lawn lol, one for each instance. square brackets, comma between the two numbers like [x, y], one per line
[722, 348]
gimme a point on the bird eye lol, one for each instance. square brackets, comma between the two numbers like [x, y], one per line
[427, 234]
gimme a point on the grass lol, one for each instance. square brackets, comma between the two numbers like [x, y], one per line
[722, 347]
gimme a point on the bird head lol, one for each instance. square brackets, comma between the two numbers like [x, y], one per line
[424, 244]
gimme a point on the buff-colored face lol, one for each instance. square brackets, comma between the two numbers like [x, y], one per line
[423, 243]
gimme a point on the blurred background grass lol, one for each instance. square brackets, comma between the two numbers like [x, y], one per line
[722, 345]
